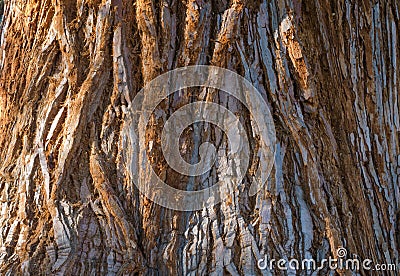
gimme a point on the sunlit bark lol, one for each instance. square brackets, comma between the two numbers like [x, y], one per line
[68, 69]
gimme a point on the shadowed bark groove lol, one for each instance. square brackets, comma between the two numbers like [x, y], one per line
[68, 71]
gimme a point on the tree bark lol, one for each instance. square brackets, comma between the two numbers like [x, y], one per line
[69, 69]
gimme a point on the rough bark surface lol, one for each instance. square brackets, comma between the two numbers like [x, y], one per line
[69, 68]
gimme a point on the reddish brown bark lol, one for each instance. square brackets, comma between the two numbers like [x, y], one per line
[68, 69]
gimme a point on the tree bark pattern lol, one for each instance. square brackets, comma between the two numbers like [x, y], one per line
[69, 69]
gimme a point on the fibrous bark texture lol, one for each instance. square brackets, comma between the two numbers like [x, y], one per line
[328, 70]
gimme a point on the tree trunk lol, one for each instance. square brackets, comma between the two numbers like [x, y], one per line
[69, 71]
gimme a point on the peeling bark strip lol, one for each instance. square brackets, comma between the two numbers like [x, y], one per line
[68, 69]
